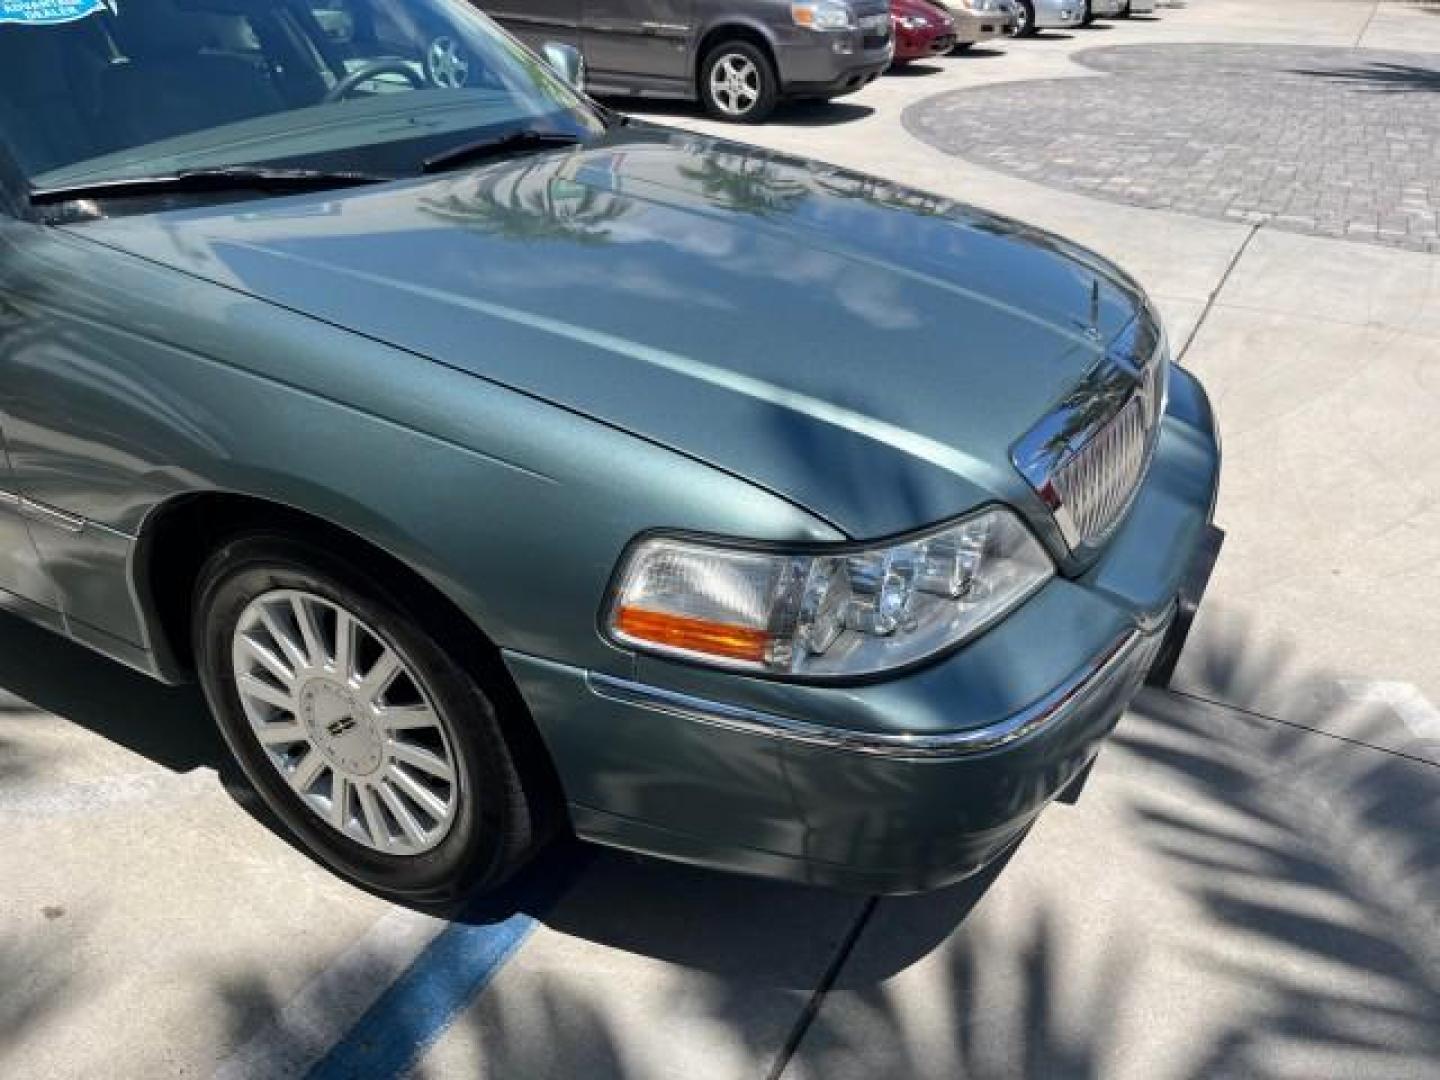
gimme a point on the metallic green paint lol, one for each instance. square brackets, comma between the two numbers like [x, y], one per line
[502, 376]
[622, 279]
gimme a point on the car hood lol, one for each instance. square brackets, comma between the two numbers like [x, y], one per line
[867, 351]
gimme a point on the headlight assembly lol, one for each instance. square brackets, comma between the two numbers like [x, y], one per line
[855, 611]
[822, 15]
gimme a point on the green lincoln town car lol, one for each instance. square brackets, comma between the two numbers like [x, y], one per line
[500, 466]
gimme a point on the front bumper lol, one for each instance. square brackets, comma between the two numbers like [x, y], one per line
[901, 784]
[973, 27]
[829, 64]
[919, 44]
[1057, 14]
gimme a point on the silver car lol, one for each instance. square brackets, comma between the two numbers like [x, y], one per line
[980, 20]
[1035, 15]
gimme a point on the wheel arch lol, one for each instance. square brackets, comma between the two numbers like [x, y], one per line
[178, 536]
[755, 32]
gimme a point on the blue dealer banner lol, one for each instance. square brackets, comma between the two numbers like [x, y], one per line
[51, 12]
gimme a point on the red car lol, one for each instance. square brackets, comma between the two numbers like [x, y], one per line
[921, 29]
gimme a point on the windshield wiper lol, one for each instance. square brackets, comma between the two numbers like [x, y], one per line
[525, 139]
[187, 181]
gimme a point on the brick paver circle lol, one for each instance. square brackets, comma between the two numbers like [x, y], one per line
[1335, 142]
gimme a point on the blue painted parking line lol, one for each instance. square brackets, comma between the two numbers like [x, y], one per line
[450, 973]
[412, 1015]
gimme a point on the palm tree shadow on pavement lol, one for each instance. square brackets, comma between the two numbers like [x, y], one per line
[1288, 877]
[1267, 904]
[1306, 866]
[1380, 77]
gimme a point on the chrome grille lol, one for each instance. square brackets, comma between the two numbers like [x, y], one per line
[1087, 459]
[1097, 483]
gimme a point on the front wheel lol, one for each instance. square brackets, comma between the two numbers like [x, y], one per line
[738, 83]
[382, 756]
[1024, 19]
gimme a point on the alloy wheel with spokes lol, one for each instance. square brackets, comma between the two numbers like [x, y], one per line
[735, 84]
[345, 721]
[335, 687]
[738, 83]
[447, 63]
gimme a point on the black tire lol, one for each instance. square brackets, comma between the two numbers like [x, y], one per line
[493, 830]
[1025, 25]
[961, 47]
[767, 82]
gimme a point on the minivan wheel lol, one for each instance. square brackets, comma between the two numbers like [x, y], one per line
[738, 83]
[381, 755]
[1024, 19]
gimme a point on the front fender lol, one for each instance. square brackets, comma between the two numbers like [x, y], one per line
[143, 385]
[712, 29]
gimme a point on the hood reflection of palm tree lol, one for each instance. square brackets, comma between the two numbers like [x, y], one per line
[532, 202]
[871, 189]
[745, 183]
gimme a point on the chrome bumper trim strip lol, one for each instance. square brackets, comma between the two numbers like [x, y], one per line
[901, 747]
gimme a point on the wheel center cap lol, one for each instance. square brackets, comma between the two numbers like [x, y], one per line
[340, 728]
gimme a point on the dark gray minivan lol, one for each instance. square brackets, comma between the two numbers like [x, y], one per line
[738, 57]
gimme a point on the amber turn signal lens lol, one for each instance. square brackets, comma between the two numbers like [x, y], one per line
[693, 635]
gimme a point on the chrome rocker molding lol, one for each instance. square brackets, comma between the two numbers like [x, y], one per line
[1041, 714]
[39, 512]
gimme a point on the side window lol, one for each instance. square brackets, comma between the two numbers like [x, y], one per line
[335, 21]
[365, 32]
[359, 29]
[390, 34]
[233, 36]
[356, 38]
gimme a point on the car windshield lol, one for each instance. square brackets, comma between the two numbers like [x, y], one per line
[101, 91]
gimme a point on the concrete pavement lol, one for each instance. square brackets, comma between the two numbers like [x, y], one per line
[1230, 898]
[1331, 142]
[1247, 888]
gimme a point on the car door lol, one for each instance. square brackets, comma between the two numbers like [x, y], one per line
[637, 44]
[25, 585]
[72, 476]
[537, 22]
